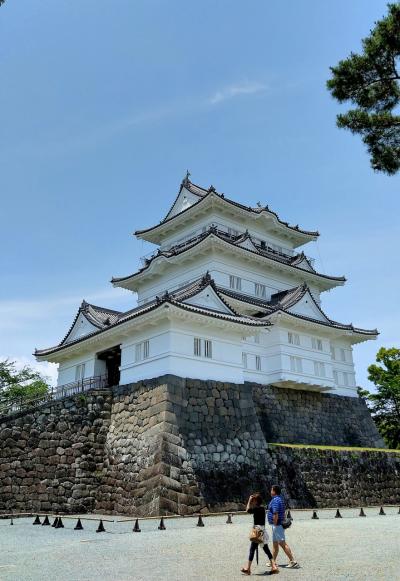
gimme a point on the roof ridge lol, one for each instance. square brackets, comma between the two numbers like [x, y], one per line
[166, 298]
[213, 231]
[212, 190]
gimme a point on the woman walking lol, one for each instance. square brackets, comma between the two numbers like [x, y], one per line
[256, 508]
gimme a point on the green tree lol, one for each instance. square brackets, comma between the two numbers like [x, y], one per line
[23, 385]
[370, 81]
[385, 403]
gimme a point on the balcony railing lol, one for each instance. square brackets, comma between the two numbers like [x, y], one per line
[80, 386]
[17, 404]
[225, 231]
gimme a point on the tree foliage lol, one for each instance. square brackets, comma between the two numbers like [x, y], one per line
[385, 403]
[371, 81]
[23, 385]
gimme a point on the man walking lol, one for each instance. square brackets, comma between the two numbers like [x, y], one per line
[276, 516]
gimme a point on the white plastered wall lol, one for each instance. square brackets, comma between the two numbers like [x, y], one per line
[220, 268]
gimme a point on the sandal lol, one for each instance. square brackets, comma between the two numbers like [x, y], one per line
[245, 571]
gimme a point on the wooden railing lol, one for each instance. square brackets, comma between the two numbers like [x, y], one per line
[17, 404]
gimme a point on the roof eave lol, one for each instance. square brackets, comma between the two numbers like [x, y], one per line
[48, 354]
[325, 281]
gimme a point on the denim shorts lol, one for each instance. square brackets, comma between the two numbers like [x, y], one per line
[278, 534]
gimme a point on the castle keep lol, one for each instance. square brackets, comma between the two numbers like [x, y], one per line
[226, 296]
[179, 404]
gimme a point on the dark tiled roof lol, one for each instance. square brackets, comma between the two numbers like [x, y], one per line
[100, 317]
[176, 299]
[284, 300]
[202, 193]
[293, 261]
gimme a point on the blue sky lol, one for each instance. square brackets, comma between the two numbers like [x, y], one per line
[103, 106]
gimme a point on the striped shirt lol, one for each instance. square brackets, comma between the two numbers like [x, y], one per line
[276, 506]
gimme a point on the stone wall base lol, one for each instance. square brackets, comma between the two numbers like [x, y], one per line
[174, 445]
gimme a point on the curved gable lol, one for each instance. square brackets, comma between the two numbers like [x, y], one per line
[209, 299]
[184, 200]
[307, 307]
[80, 328]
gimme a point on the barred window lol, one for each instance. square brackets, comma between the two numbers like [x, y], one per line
[244, 360]
[296, 364]
[142, 350]
[79, 372]
[202, 347]
[316, 343]
[197, 347]
[336, 378]
[319, 369]
[293, 338]
[333, 352]
[235, 282]
[260, 290]
[258, 363]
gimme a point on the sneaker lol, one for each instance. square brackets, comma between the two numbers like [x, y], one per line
[293, 565]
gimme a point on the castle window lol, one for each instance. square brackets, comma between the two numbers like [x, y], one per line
[316, 343]
[257, 339]
[345, 379]
[342, 355]
[260, 290]
[336, 378]
[293, 338]
[142, 350]
[197, 347]
[258, 363]
[333, 352]
[296, 364]
[79, 372]
[202, 347]
[244, 360]
[235, 282]
[319, 369]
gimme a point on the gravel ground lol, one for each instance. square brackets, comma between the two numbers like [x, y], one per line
[328, 549]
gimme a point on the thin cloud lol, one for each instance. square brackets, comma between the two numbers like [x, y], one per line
[17, 313]
[233, 91]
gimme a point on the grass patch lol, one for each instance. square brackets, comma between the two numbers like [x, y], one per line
[338, 448]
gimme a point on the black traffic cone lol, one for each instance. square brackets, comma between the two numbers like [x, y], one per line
[200, 522]
[314, 515]
[161, 526]
[362, 513]
[12, 521]
[382, 512]
[37, 521]
[136, 528]
[100, 528]
[78, 526]
[289, 515]
[229, 519]
[55, 523]
[59, 524]
[46, 521]
[399, 510]
[338, 515]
